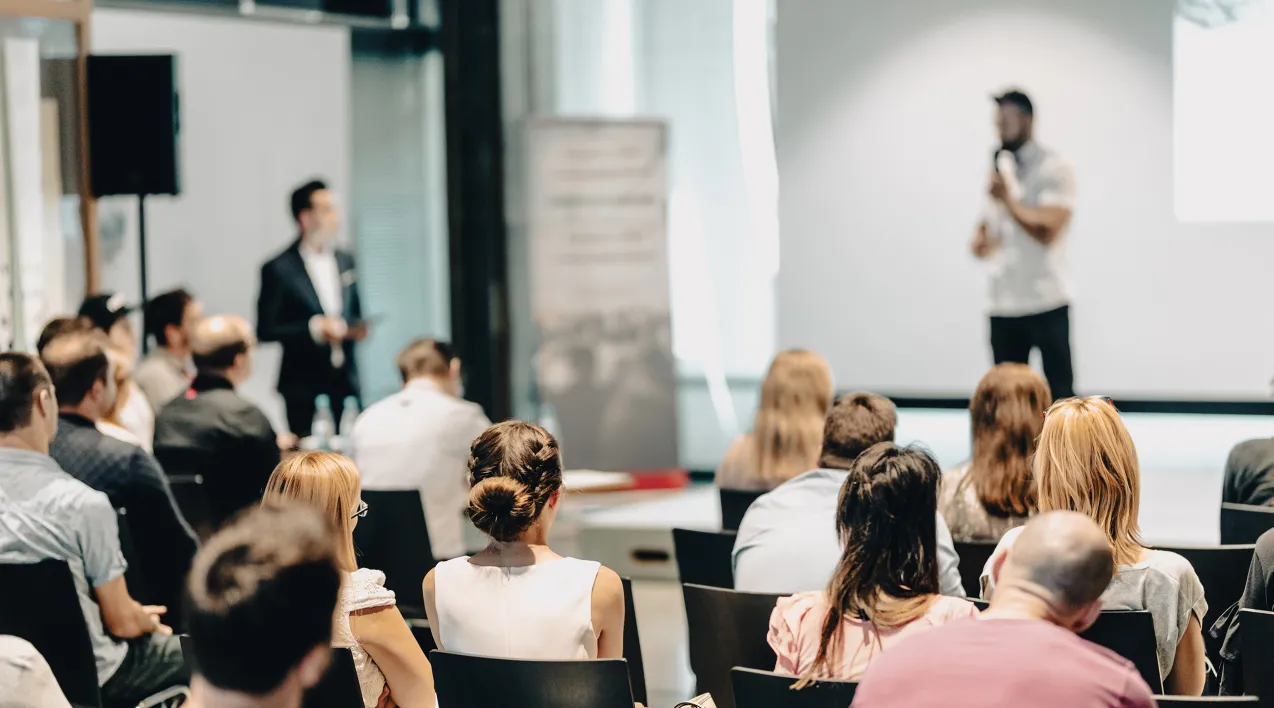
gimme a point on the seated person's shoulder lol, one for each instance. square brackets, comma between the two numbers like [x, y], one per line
[1253, 451]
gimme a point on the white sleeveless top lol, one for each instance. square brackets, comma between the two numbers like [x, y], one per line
[362, 590]
[542, 611]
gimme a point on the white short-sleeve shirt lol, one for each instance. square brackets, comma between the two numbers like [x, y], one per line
[1027, 277]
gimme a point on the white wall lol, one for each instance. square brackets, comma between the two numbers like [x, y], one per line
[264, 107]
[884, 142]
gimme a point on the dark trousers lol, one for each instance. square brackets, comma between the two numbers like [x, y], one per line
[1013, 338]
[153, 663]
[300, 405]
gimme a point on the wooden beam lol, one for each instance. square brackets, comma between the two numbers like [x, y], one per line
[88, 205]
[78, 10]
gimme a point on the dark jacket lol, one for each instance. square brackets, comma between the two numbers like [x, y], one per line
[215, 432]
[1258, 594]
[285, 306]
[1249, 473]
[133, 480]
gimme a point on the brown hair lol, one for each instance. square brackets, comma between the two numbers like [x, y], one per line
[327, 482]
[514, 469]
[1007, 414]
[886, 518]
[425, 357]
[1086, 462]
[76, 362]
[787, 429]
[855, 423]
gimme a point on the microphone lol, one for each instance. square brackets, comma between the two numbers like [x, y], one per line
[995, 158]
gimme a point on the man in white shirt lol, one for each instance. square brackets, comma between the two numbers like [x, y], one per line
[1022, 237]
[309, 303]
[419, 438]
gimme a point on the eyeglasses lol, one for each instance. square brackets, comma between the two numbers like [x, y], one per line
[362, 510]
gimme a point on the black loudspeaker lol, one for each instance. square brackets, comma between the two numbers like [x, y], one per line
[133, 124]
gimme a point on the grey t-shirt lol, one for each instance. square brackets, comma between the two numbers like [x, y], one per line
[1249, 473]
[1164, 583]
[47, 513]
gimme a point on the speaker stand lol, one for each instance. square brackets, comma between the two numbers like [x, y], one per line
[141, 265]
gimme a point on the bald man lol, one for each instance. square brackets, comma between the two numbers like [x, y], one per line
[213, 431]
[1023, 651]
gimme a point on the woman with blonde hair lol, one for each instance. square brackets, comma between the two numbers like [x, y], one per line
[1086, 462]
[368, 623]
[995, 490]
[787, 432]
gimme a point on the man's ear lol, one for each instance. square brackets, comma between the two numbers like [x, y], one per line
[46, 403]
[455, 367]
[1086, 617]
[313, 665]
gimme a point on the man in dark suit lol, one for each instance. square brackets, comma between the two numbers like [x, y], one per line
[213, 431]
[309, 304]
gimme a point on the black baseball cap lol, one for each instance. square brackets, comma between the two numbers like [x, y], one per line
[105, 309]
[1014, 97]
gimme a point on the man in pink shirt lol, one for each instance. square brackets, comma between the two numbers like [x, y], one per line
[1023, 651]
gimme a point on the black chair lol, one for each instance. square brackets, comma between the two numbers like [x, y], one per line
[1244, 523]
[973, 557]
[765, 689]
[394, 539]
[1192, 701]
[135, 576]
[632, 645]
[464, 681]
[705, 557]
[1130, 634]
[734, 504]
[727, 629]
[192, 501]
[39, 603]
[1257, 654]
[339, 687]
[1223, 572]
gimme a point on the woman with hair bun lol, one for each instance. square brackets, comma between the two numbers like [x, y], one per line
[518, 599]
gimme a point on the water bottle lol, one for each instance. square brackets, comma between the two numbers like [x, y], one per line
[345, 433]
[324, 428]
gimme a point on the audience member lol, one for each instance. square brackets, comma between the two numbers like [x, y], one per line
[1085, 462]
[517, 598]
[213, 431]
[59, 326]
[995, 490]
[262, 595]
[787, 431]
[48, 514]
[110, 424]
[1249, 473]
[127, 474]
[165, 373]
[368, 622]
[27, 679]
[787, 541]
[1258, 594]
[109, 314]
[419, 438]
[1023, 650]
[885, 587]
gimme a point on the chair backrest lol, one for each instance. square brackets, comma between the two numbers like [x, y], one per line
[1191, 701]
[632, 645]
[192, 500]
[1130, 634]
[39, 603]
[339, 687]
[1223, 572]
[973, 557]
[464, 681]
[1257, 653]
[727, 629]
[705, 557]
[138, 586]
[765, 689]
[394, 539]
[734, 504]
[1244, 523]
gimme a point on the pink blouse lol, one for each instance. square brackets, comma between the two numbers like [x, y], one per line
[797, 623]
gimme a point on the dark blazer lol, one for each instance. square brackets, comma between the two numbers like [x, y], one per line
[133, 480]
[285, 306]
[215, 432]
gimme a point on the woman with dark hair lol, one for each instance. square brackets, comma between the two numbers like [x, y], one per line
[995, 491]
[885, 586]
[518, 599]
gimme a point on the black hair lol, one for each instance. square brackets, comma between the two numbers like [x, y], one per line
[22, 377]
[164, 311]
[75, 362]
[1016, 98]
[220, 358]
[262, 593]
[303, 197]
